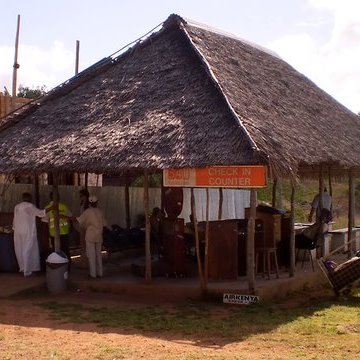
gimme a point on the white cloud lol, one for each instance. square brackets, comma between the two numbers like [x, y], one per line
[38, 66]
[334, 64]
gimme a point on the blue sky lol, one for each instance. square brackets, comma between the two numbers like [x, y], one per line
[320, 38]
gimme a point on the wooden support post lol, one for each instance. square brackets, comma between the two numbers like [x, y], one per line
[56, 212]
[147, 228]
[351, 211]
[279, 185]
[77, 51]
[321, 187]
[207, 239]
[86, 179]
[36, 190]
[221, 200]
[274, 190]
[292, 233]
[250, 250]
[127, 202]
[197, 242]
[16, 66]
[330, 183]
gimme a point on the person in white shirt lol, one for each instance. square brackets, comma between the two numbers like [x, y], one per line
[315, 206]
[25, 235]
[93, 220]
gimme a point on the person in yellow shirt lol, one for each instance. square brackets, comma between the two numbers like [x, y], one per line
[64, 224]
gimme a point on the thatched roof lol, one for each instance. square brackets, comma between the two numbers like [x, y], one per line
[187, 96]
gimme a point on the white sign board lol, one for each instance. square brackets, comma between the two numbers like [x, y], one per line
[240, 299]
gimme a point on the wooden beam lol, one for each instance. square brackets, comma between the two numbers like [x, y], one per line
[250, 250]
[292, 233]
[147, 228]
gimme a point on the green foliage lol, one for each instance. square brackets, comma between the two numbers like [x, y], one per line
[154, 181]
[26, 92]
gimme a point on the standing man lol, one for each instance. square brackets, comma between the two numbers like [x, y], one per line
[64, 224]
[323, 214]
[93, 220]
[25, 235]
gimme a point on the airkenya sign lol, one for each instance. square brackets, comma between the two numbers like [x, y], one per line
[240, 299]
[217, 177]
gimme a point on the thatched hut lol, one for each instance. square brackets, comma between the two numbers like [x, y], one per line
[186, 96]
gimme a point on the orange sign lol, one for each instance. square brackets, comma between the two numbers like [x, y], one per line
[217, 176]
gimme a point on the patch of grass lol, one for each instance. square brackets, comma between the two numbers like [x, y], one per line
[106, 351]
[321, 318]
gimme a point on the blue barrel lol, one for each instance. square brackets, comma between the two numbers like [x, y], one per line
[8, 262]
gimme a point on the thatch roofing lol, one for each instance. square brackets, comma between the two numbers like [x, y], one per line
[187, 96]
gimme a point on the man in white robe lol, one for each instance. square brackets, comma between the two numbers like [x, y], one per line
[25, 235]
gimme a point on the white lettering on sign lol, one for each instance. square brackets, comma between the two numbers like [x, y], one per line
[229, 182]
[223, 171]
[240, 299]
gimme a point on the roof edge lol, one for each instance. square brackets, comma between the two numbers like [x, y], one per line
[217, 84]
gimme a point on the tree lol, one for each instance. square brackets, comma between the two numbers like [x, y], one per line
[26, 92]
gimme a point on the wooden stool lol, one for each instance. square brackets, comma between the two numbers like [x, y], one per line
[305, 252]
[266, 260]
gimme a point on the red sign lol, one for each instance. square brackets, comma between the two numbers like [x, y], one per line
[217, 177]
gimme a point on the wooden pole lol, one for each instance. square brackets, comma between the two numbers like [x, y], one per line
[279, 186]
[351, 212]
[221, 200]
[36, 190]
[127, 202]
[77, 57]
[207, 240]
[197, 242]
[330, 183]
[250, 242]
[56, 211]
[16, 65]
[274, 190]
[86, 179]
[147, 228]
[321, 188]
[76, 176]
[292, 233]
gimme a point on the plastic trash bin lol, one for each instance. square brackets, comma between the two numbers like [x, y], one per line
[57, 272]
